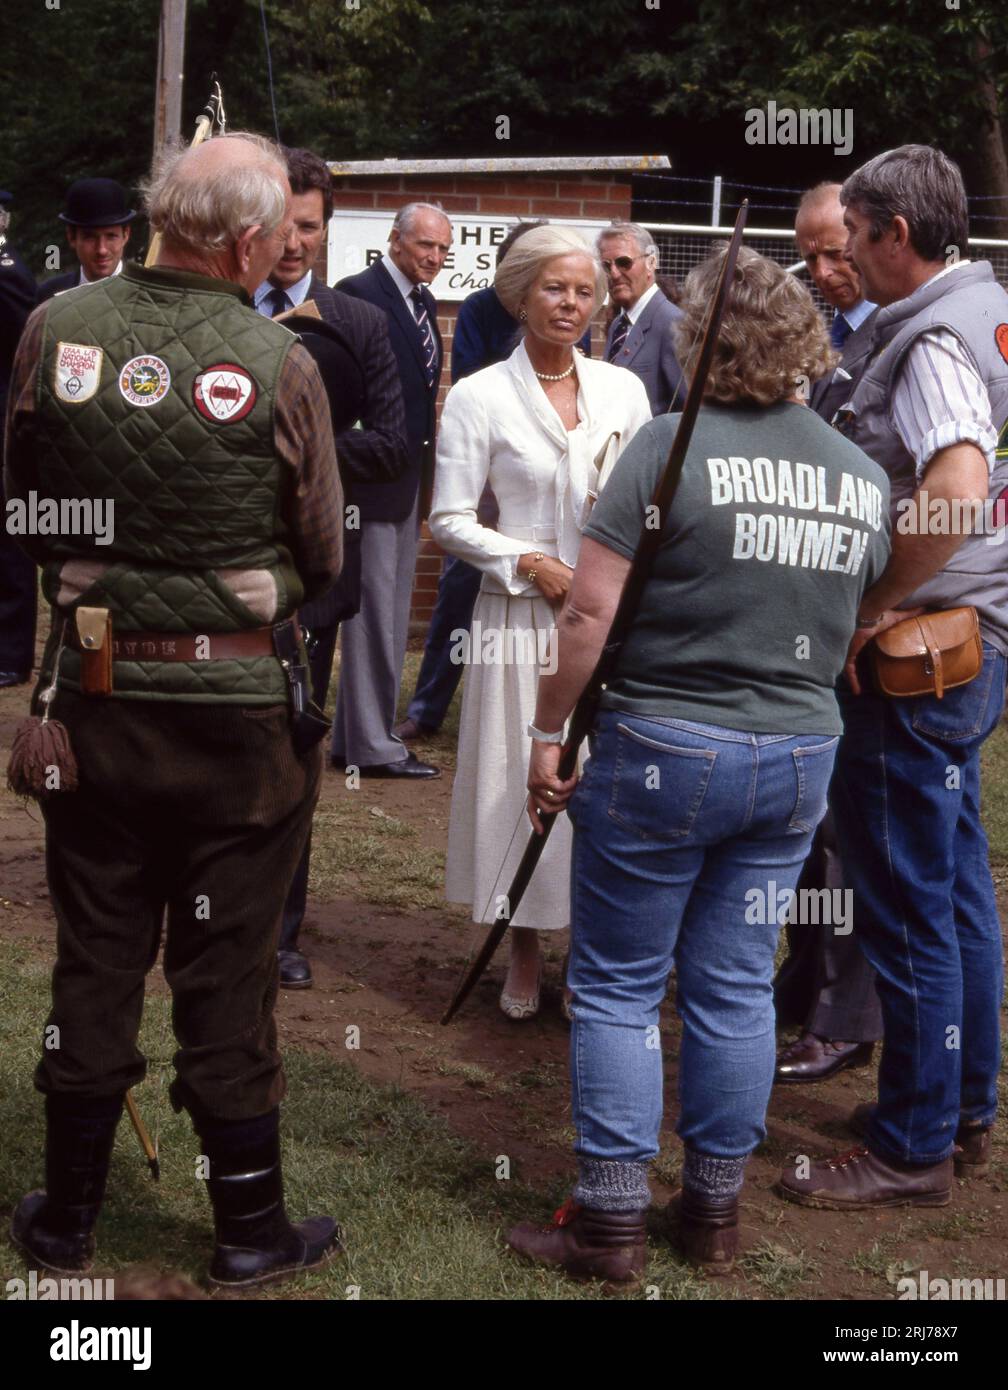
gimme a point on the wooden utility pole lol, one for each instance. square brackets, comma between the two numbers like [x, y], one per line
[170, 72]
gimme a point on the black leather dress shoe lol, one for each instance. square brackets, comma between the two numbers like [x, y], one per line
[411, 766]
[13, 678]
[811, 1059]
[295, 970]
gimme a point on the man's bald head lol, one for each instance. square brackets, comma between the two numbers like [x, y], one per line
[822, 241]
[202, 199]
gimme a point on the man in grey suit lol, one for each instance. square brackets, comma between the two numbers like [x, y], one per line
[640, 337]
[826, 985]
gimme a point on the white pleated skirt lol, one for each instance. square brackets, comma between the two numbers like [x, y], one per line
[488, 829]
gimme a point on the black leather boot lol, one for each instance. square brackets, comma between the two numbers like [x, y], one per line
[54, 1228]
[256, 1243]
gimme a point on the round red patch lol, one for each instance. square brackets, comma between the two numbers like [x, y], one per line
[1001, 338]
[226, 393]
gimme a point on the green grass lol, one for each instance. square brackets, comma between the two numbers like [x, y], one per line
[423, 1211]
[994, 764]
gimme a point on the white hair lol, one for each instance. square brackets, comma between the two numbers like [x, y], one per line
[520, 268]
[208, 213]
[645, 241]
[407, 215]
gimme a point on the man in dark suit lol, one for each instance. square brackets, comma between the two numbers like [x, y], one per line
[374, 642]
[370, 458]
[17, 570]
[641, 335]
[826, 985]
[97, 228]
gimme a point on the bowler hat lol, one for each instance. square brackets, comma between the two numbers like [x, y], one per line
[96, 203]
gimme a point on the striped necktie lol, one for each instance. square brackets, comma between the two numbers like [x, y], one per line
[619, 337]
[426, 335]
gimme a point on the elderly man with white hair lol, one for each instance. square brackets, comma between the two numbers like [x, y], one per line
[640, 337]
[175, 662]
[543, 428]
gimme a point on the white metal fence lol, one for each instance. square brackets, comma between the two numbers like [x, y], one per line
[683, 245]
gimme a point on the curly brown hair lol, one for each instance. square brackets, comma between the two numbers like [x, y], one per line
[772, 340]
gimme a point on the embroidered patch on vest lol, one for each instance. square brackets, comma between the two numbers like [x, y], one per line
[77, 371]
[224, 393]
[1001, 338]
[144, 381]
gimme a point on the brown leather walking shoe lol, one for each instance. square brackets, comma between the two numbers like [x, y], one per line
[706, 1230]
[810, 1059]
[859, 1179]
[587, 1244]
[972, 1155]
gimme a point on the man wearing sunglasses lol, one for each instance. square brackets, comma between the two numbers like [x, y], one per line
[640, 336]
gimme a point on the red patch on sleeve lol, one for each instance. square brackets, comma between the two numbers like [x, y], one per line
[1001, 338]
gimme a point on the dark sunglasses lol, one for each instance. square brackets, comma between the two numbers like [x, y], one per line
[622, 262]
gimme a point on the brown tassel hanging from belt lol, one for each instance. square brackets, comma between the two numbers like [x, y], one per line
[41, 760]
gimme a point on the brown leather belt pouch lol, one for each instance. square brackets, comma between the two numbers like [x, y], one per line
[929, 654]
[93, 633]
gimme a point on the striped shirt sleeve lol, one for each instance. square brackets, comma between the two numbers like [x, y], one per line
[940, 399]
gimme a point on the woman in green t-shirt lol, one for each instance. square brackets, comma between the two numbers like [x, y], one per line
[709, 767]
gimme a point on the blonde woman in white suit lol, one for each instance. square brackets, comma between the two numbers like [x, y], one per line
[543, 428]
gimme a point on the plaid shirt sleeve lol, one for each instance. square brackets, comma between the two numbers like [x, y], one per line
[940, 400]
[304, 440]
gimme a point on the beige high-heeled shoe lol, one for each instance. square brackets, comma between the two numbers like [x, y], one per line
[519, 1008]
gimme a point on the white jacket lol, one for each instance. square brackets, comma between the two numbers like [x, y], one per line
[499, 426]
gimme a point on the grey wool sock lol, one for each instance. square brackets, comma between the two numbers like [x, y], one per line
[606, 1184]
[713, 1177]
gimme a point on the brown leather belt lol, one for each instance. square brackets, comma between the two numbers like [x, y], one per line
[187, 646]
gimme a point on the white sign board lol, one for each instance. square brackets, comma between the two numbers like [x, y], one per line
[358, 239]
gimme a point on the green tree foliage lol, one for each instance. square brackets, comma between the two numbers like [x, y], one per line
[372, 78]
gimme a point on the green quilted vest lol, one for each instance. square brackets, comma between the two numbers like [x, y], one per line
[174, 424]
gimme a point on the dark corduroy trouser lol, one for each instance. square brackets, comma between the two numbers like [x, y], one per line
[195, 815]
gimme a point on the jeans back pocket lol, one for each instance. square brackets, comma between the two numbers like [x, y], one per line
[658, 788]
[813, 770]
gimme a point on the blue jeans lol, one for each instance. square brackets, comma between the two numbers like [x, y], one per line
[680, 830]
[907, 800]
[439, 676]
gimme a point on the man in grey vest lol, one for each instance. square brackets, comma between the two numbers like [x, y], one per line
[929, 408]
[826, 985]
[203, 430]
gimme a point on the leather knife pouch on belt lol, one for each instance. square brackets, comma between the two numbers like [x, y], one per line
[94, 636]
[929, 654]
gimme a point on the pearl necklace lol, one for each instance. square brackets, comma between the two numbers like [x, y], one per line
[557, 376]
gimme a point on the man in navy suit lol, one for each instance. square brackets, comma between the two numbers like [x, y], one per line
[97, 229]
[371, 458]
[374, 642]
[641, 335]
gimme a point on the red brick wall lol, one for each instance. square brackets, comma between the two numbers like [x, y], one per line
[575, 194]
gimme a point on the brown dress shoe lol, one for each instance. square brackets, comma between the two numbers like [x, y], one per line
[860, 1179]
[811, 1058]
[586, 1244]
[409, 730]
[971, 1158]
[707, 1230]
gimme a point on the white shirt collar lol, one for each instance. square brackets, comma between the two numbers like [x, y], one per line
[296, 293]
[403, 283]
[83, 280]
[634, 314]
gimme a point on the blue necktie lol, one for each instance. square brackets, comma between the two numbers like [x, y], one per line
[840, 330]
[426, 336]
[276, 302]
[619, 337]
